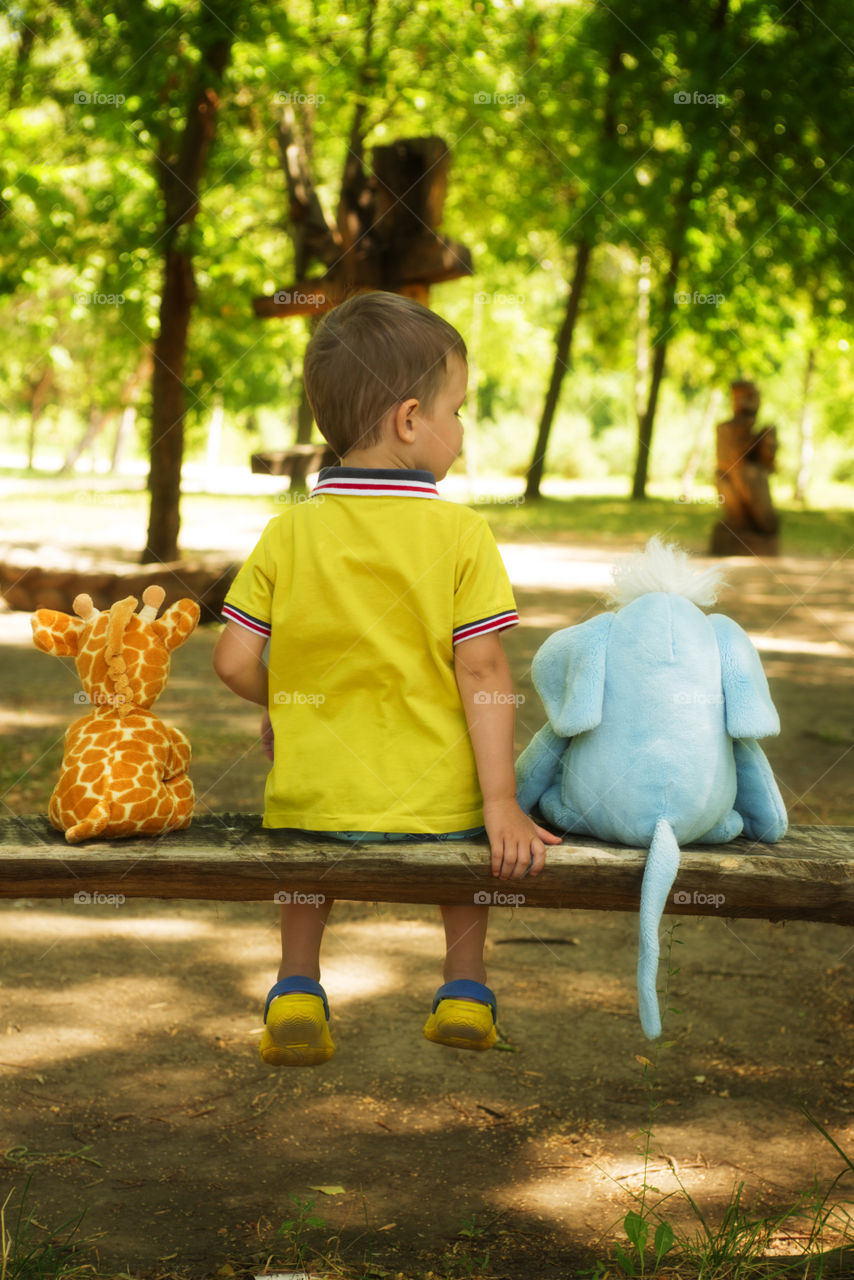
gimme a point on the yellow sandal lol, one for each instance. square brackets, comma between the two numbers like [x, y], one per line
[463, 1016]
[296, 1024]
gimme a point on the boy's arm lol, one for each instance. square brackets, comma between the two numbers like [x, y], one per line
[486, 688]
[237, 662]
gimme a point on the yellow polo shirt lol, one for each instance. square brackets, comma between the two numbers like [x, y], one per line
[363, 589]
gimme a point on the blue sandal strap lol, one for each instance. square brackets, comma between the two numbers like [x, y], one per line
[296, 983]
[467, 989]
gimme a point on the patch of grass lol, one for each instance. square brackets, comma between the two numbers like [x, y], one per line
[304, 1245]
[468, 1257]
[297, 1230]
[599, 519]
[30, 1251]
[606, 517]
[609, 520]
[741, 1244]
[27, 773]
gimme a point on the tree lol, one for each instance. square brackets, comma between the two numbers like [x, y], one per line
[586, 223]
[180, 166]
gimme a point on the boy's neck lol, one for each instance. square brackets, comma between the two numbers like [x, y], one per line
[379, 458]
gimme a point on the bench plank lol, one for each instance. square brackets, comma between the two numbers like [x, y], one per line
[230, 857]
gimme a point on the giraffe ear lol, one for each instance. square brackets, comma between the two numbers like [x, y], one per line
[177, 623]
[57, 633]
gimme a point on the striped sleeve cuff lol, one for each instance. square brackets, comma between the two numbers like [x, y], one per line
[497, 622]
[232, 614]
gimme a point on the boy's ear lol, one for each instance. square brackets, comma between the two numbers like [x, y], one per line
[55, 632]
[402, 424]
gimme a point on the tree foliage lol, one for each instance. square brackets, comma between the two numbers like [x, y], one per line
[700, 149]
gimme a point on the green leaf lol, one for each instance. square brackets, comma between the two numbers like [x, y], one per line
[663, 1240]
[636, 1229]
[624, 1262]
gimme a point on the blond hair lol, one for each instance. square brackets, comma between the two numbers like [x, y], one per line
[366, 356]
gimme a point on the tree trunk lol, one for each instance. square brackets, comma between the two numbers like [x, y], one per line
[352, 213]
[563, 348]
[702, 439]
[583, 251]
[305, 417]
[805, 434]
[179, 182]
[311, 234]
[38, 399]
[167, 409]
[98, 421]
[683, 213]
[642, 335]
[647, 420]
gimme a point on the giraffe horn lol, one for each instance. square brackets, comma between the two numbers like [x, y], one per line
[84, 608]
[152, 599]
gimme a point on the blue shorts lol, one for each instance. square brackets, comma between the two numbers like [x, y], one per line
[384, 837]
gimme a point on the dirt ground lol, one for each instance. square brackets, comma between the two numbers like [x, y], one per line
[132, 1087]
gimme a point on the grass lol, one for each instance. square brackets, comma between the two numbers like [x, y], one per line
[109, 511]
[30, 1251]
[610, 520]
[29, 767]
[740, 1244]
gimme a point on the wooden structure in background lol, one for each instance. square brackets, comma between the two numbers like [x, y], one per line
[205, 578]
[748, 523]
[299, 461]
[386, 232]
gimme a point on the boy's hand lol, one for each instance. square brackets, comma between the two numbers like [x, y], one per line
[267, 735]
[518, 845]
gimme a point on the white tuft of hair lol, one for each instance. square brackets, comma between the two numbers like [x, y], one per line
[662, 566]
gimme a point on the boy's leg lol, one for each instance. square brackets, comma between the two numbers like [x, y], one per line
[302, 933]
[463, 1015]
[465, 936]
[296, 1031]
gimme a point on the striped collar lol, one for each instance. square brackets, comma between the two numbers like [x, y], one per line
[396, 482]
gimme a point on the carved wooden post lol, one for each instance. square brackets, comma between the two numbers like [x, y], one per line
[749, 525]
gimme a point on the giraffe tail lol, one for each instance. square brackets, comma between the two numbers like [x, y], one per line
[90, 826]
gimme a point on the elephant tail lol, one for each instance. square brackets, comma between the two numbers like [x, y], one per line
[661, 868]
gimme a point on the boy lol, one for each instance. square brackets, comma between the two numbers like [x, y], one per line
[388, 690]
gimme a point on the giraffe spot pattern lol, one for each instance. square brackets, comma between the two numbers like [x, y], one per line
[123, 771]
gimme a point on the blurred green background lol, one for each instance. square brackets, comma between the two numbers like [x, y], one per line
[697, 154]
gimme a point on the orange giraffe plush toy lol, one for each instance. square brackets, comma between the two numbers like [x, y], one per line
[124, 772]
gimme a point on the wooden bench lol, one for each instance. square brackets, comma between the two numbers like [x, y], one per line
[297, 462]
[230, 857]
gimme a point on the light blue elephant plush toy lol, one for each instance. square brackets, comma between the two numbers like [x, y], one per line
[653, 715]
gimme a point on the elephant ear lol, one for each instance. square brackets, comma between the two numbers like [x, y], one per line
[750, 713]
[569, 675]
